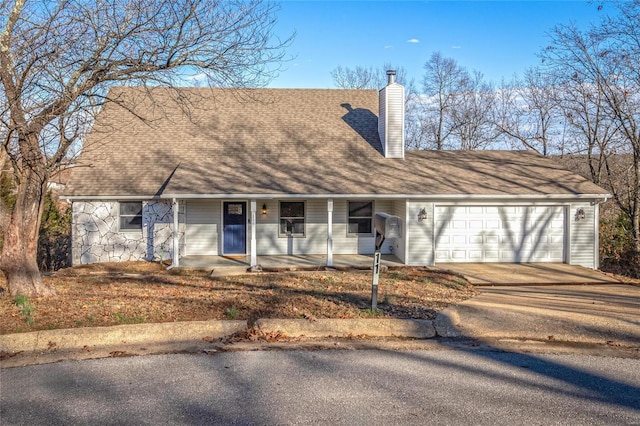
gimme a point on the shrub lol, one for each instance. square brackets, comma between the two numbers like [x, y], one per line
[617, 253]
[54, 241]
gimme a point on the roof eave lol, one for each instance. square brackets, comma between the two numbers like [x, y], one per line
[451, 197]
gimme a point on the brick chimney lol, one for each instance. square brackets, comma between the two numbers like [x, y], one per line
[391, 117]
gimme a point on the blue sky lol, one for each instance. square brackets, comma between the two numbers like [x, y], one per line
[497, 38]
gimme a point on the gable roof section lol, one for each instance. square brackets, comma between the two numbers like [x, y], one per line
[276, 142]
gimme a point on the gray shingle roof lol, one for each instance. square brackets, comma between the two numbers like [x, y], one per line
[286, 141]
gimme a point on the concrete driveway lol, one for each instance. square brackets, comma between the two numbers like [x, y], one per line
[527, 273]
[595, 313]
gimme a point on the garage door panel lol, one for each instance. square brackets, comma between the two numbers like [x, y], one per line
[557, 224]
[510, 240]
[459, 255]
[491, 239]
[491, 256]
[459, 239]
[475, 224]
[507, 256]
[440, 210]
[475, 239]
[459, 224]
[511, 226]
[500, 234]
[475, 255]
[442, 255]
[555, 254]
[492, 224]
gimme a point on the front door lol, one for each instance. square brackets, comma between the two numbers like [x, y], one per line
[235, 227]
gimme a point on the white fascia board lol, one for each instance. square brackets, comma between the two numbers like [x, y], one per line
[110, 197]
[429, 197]
[457, 197]
[398, 196]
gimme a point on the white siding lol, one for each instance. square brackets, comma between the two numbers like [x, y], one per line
[399, 208]
[203, 225]
[391, 122]
[314, 241]
[582, 234]
[382, 122]
[420, 234]
[344, 243]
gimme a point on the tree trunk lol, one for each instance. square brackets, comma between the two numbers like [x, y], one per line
[633, 189]
[635, 228]
[18, 261]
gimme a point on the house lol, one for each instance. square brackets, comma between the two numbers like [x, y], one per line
[303, 171]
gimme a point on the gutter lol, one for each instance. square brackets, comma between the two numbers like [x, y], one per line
[453, 197]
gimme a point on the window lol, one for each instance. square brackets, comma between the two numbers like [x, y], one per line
[292, 218]
[130, 215]
[360, 218]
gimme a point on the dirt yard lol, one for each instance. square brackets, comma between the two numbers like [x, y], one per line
[141, 292]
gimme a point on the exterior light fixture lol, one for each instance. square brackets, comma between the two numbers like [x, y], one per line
[580, 215]
[422, 215]
[264, 209]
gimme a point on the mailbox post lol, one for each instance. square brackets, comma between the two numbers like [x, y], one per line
[386, 226]
[376, 278]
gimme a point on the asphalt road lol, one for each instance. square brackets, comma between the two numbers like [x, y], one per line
[326, 387]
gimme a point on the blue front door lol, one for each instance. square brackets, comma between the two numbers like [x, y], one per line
[235, 227]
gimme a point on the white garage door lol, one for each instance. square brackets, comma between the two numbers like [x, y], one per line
[499, 234]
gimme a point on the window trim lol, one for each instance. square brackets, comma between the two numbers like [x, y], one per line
[120, 215]
[373, 213]
[304, 218]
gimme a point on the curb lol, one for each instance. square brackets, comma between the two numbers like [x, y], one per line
[132, 334]
[447, 323]
[196, 331]
[407, 328]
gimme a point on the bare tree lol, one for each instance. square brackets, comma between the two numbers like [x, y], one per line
[372, 77]
[443, 80]
[359, 77]
[472, 116]
[528, 115]
[415, 136]
[369, 77]
[606, 58]
[592, 131]
[57, 60]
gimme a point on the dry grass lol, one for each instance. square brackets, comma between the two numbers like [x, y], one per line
[137, 292]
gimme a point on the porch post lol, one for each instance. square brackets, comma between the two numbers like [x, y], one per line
[330, 232]
[254, 257]
[175, 261]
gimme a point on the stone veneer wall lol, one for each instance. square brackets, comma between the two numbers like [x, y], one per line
[96, 235]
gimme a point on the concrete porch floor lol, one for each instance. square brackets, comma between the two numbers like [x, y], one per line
[292, 262]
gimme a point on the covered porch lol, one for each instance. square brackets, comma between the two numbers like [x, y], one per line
[253, 233]
[286, 262]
